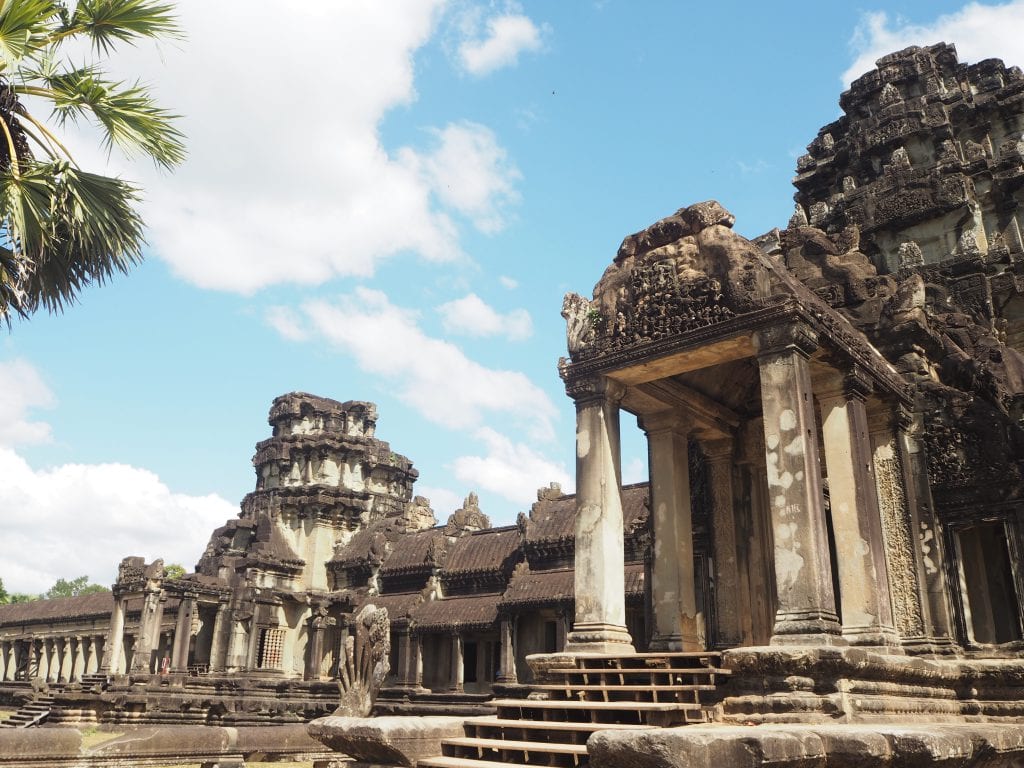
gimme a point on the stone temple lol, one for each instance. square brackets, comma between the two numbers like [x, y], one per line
[832, 531]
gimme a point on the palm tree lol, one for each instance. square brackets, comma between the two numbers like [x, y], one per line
[61, 227]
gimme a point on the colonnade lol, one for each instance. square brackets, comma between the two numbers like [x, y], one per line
[57, 658]
[863, 539]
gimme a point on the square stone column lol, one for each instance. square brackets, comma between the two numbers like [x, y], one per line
[600, 622]
[507, 665]
[183, 633]
[803, 571]
[113, 649]
[147, 637]
[673, 594]
[13, 657]
[731, 595]
[78, 664]
[3, 659]
[220, 637]
[860, 549]
[67, 660]
[457, 675]
[914, 543]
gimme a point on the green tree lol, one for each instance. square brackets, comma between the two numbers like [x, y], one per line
[21, 597]
[74, 588]
[61, 227]
[174, 571]
[5, 598]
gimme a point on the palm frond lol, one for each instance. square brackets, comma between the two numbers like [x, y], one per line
[74, 228]
[23, 28]
[130, 116]
[107, 22]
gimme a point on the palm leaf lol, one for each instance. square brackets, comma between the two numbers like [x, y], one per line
[107, 22]
[131, 118]
[23, 28]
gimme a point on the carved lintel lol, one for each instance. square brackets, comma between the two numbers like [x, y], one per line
[796, 337]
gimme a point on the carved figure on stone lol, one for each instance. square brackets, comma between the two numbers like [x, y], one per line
[580, 323]
[467, 519]
[365, 662]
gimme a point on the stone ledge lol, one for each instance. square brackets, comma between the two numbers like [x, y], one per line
[386, 740]
[807, 746]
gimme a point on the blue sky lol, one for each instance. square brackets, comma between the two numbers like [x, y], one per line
[387, 201]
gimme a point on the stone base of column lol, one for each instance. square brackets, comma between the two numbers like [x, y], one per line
[931, 646]
[883, 637]
[599, 638]
[674, 644]
[811, 628]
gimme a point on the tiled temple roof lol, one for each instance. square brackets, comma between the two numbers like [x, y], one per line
[536, 588]
[554, 520]
[457, 613]
[411, 552]
[98, 604]
[399, 605]
[487, 550]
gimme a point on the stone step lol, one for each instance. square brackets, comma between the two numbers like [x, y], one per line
[571, 704]
[465, 762]
[510, 745]
[570, 686]
[693, 671]
[551, 725]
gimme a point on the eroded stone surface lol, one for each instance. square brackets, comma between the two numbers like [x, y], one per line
[386, 740]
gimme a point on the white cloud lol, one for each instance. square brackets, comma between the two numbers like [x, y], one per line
[432, 375]
[287, 179]
[472, 316]
[80, 519]
[470, 172]
[286, 322]
[22, 389]
[510, 469]
[504, 38]
[509, 282]
[979, 32]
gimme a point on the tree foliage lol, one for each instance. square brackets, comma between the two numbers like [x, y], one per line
[61, 227]
[74, 588]
[174, 571]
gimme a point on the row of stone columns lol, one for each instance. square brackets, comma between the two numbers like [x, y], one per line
[147, 637]
[876, 514]
[52, 659]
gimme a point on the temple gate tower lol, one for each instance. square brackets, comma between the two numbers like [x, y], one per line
[716, 348]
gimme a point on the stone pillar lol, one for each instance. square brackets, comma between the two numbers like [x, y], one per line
[36, 661]
[66, 660]
[673, 594]
[732, 598]
[53, 660]
[251, 662]
[147, 637]
[88, 655]
[600, 623]
[183, 633]
[97, 654]
[316, 648]
[13, 657]
[114, 646]
[803, 572]
[3, 659]
[927, 542]
[860, 551]
[457, 675]
[507, 665]
[219, 638]
[78, 663]
[417, 650]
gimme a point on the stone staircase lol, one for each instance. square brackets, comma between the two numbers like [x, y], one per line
[599, 692]
[31, 713]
